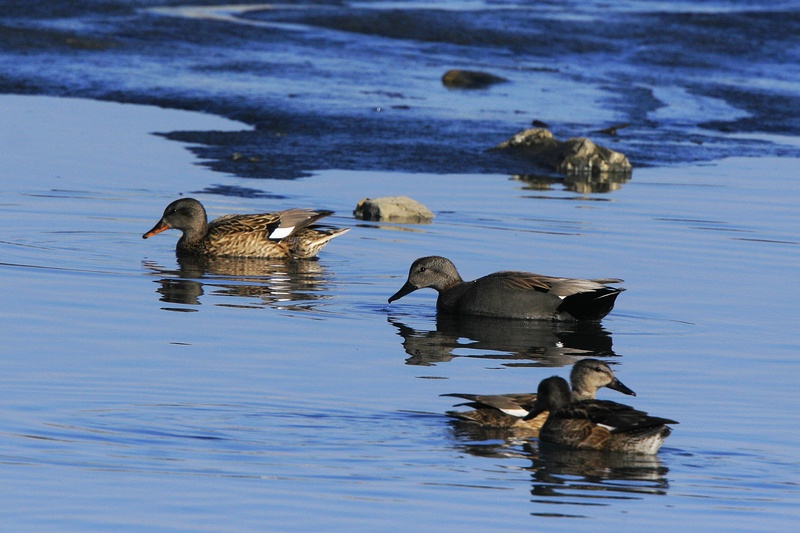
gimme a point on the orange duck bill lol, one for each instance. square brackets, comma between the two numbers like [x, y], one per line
[158, 228]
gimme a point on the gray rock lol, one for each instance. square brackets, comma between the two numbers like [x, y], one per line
[394, 208]
[574, 156]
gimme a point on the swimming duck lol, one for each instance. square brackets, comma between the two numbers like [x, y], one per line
[511, 294]
[279, 235]
[596, 424]
[511, 410]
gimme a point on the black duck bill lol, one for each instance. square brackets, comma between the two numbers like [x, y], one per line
[618, 386]
[408, 288]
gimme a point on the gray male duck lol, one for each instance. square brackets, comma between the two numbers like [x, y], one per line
[512, 410]
[596, 424]
[508, 294]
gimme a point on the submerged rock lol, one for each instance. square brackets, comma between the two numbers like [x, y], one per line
[612, 130]
[574, 156]
[395, 208]
[469, 79]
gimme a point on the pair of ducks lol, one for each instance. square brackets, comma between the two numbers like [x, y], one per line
[572, 419]
[290, 235]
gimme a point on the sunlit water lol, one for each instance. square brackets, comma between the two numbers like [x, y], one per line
[143, 393]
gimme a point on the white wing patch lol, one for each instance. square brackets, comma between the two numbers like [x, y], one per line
[519, 412]
[281, 233]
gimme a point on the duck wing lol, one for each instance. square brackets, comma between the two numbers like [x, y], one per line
[561, 287]
[274, 226]
[526, 281]
[616, 417]
[518, 405]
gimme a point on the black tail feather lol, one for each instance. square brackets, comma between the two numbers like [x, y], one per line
[592, 305]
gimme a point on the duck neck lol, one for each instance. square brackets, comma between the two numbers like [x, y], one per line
[193, 237]
[195, 233]
[578, 395]
[450, 282]
[450, 295]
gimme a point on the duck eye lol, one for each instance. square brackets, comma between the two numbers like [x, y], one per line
[422, 269]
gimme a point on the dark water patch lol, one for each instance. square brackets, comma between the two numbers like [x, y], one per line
[768, 111]
[770, 241]
[239, 192]
[489, 27]
[287, 145]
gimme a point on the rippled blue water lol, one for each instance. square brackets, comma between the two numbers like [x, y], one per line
[142, 393]
[287, 399]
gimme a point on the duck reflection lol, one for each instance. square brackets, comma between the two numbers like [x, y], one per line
[540, 343]
[578, 475]
[281, 284]
[489, 441]
[582, 184]
[571, 477]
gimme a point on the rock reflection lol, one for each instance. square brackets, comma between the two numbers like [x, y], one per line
[582, 184]
[280, 284]
[540, 343]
